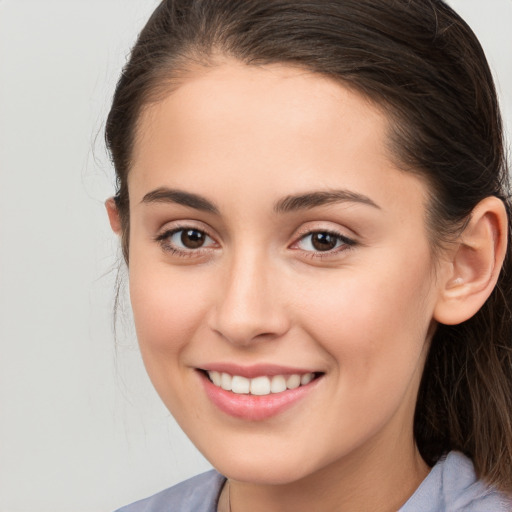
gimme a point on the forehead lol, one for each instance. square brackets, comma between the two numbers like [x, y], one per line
[251, 126]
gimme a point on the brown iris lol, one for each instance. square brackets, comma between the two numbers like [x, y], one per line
[322, 241]
[192, 238]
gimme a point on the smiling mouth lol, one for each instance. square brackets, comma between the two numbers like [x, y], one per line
[262, 385]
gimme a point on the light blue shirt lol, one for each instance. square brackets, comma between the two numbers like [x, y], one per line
[451, 486]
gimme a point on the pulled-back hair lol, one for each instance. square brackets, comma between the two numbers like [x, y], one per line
[418, 60]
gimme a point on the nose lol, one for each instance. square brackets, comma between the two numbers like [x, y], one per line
[249, 306]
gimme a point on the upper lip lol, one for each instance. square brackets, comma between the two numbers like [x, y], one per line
[256, 370]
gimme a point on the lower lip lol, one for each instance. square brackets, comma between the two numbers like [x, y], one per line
[255, 407]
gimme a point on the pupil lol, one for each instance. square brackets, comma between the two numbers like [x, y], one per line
[323, 241]
[192, 238]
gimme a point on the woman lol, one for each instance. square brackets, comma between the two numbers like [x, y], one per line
[313, 206]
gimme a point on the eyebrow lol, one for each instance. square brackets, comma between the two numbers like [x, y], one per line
[168, 195]
[313, 199]
[288, 204]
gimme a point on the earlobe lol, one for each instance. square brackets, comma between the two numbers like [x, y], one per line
[113, 215]
[474, 263]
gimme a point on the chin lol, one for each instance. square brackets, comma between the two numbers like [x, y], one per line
[265, 466]
[263, 473]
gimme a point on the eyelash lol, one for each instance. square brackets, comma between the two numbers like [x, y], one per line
[165, 243]
[345, 243]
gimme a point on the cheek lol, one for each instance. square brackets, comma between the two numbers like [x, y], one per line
[373, 325]
[375, 334]
[167, 308]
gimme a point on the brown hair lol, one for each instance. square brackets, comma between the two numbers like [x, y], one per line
[421, 62]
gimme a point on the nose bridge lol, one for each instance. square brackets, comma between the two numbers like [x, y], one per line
[248, 305]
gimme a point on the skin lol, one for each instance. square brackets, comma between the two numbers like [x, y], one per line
[257, 291]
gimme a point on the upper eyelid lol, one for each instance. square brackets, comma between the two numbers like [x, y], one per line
[167, 231]
[173, 226]
[172, 231]
[306, 230]
[348, 241]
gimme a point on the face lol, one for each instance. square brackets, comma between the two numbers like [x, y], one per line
[276, 250]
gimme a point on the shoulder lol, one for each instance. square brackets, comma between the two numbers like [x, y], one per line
[452, 486]
[198, 494]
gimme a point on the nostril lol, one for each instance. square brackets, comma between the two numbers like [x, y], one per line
[246, 334]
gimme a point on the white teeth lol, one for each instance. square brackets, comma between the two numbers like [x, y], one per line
[278, 384]
[293, 381]
[216, 379]
[306, 379]
[259, 385]
[225, 381]
[240, 385]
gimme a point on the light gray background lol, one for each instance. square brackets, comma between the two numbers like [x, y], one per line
[81, 430]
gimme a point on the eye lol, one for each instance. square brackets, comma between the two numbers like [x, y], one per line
[323, 241]
[189, 238]
[185, 240]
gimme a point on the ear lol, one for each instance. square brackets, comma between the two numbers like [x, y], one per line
[471, 271]
[113, 215]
